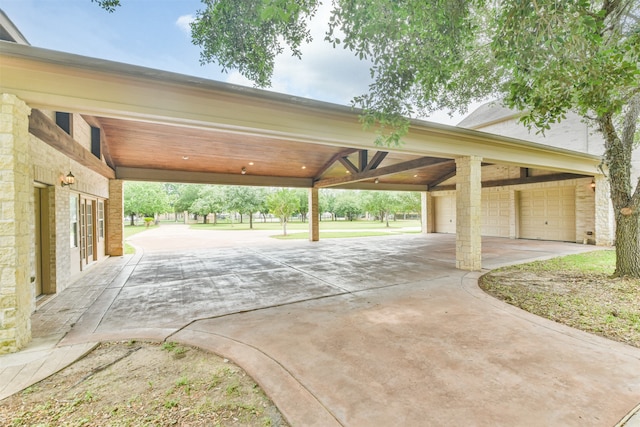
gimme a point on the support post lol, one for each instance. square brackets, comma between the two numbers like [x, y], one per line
[468, 211]
[426, 212]
[604, 221]
[314, 215]
[115, 218]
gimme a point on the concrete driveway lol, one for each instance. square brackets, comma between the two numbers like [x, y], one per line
[365, 332]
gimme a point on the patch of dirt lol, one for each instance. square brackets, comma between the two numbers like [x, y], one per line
[142, 383]
[590, 301]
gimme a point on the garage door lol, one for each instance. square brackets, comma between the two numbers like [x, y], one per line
[495, 213]
[445, 214]
[548, 214]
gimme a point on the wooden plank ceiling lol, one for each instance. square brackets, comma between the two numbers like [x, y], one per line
[149, 146]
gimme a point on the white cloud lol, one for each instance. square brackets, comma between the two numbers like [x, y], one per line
[324, 73]
[238, 79]
[184, 23]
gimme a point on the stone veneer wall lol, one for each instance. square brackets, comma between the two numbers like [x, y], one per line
[49, 168]
[16, 212]
[114, 211]
[25, 160]
[468, 212]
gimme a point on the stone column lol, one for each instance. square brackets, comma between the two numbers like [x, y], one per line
[468, 211]
[426, 211]
[604, 221]
[16, 214]
[314, 215]
[115, 218]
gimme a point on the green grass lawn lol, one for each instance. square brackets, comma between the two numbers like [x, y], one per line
[576, 290]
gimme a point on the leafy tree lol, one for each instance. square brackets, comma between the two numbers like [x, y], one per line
[144, 198]
[543, 57]
[211, 199]
[283, 203]
[172, 191]
[409, 202]
[381, 203]
[303, 198]
[326, 202]
[187, 194]
[348, 204]
[108, 5]
[247, 200]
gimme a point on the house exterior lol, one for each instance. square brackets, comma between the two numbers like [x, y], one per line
[106, 122]
[573, 133]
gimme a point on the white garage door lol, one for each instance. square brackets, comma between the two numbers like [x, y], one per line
[445, 214]
[548, 214]
[495, 213]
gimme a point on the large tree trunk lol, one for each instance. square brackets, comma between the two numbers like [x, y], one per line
[626, 205]
[627, 247]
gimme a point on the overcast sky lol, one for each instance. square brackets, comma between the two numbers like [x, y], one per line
[156, 34]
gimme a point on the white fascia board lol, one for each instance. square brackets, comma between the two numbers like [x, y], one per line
[59, 81]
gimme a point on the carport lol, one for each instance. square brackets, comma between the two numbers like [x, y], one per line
[160, 126]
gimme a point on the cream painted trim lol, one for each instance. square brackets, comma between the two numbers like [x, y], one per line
[53, 80]
[158, 175]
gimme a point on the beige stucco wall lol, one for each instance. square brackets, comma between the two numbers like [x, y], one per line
[573, 133]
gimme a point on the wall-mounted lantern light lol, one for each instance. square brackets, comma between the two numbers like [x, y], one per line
[593, 185]
[68, 180]
[243, 171]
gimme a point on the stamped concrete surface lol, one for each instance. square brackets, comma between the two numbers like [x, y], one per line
[358, 332]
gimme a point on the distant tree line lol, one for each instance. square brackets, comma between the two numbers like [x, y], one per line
[148, 199]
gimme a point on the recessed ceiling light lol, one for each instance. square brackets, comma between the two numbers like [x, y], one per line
[250, 163]
[347, 172]
[415, 176]
[185, 157]
[304, 167]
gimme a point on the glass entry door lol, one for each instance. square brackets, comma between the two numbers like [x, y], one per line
[87, 231]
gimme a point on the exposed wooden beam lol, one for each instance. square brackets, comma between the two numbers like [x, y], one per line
[362, 157]
[442, 178]
[348, 165]
[45, 129]
[161, 175]
[388, 170]
[334, 159]
[376, 160]
[518, 181]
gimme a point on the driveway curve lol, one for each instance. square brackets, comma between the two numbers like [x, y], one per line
[364, 332]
